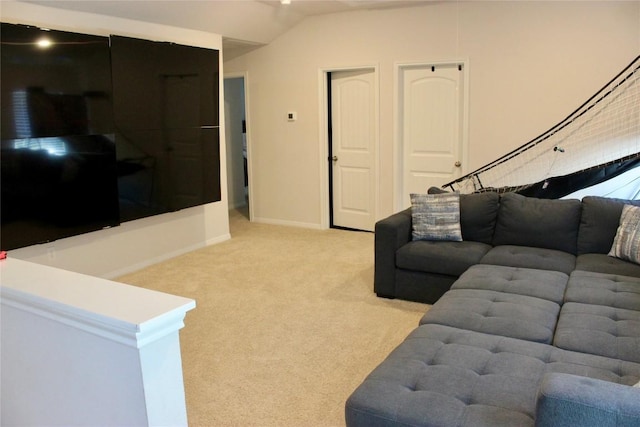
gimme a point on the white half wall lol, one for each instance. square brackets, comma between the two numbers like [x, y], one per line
[135, 244]
[83, 351]
[530, 65]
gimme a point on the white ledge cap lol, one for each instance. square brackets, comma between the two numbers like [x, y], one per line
[128, 314]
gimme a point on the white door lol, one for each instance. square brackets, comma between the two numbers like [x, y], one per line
[432, 111]
[353, 149]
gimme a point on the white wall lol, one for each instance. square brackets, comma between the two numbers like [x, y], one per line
[134, 244]
[530, 64]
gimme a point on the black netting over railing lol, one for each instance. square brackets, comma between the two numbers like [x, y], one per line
[598, 141]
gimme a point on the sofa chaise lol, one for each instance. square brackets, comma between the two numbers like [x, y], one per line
[535, 317]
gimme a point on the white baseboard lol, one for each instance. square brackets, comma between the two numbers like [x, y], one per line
[156, 260]
[289, 223]
[219, 239]
[237, 204]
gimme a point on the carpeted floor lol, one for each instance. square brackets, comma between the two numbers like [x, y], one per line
[286, 324]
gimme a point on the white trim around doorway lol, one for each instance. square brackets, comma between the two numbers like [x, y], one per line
[323, 132]
[245, 76]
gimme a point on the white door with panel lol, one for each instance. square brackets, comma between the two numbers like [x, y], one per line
[432, 116]
[353, 149]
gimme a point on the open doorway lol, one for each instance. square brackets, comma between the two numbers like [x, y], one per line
[237, 144]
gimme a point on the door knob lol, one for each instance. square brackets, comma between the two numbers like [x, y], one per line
[334, 158]
[457, 164]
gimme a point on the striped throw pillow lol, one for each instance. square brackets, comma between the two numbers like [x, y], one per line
[626, 244]
[436, 217]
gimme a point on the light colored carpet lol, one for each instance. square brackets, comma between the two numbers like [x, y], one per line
[286, 324]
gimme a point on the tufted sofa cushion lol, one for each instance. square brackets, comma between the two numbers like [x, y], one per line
[604, 289]
[548, 285]
[602, 263]
[530, 257]
[596, 329]
[601, 316]
[467, 378]
[496, 313]
[539, 223]
[513, 302]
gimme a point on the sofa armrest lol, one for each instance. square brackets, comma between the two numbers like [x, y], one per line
[391, 233]
[570, 400]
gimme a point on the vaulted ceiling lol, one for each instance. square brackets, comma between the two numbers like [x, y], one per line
[243, 24]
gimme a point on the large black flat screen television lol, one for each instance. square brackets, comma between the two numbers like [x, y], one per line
[99, 130]
[165, 99]
[58, 169]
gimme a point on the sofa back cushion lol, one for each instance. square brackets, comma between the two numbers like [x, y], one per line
[540, 223]
[478, 214]
[599, 223]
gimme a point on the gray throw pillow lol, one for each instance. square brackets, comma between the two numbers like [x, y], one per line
[435, 217]
[626, 244]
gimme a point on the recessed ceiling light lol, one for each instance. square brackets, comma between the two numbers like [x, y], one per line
[285, 1]
[44, 43]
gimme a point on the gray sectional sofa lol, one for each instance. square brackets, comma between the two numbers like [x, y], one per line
[532, 322]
